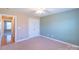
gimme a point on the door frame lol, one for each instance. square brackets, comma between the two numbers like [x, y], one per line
[15, 19]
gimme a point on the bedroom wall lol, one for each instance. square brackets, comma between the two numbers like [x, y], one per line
[22, 26]
[62, 26]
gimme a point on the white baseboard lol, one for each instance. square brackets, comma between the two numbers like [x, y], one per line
[73, 45]
[23, 39]
[26, 38]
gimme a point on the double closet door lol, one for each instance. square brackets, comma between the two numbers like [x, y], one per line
[8, 30]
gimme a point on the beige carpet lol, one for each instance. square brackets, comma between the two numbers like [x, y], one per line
[38, 43]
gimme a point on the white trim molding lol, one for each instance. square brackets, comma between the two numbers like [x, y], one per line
[73, 45]
[24, 39]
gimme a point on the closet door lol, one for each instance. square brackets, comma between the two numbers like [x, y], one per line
[34, 27]
[8, 32]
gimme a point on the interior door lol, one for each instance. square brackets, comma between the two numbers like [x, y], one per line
[33, 27]
[8, 30]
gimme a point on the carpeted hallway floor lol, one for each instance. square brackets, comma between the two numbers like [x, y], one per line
[38, 43]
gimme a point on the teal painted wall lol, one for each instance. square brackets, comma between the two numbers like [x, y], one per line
[62, 26]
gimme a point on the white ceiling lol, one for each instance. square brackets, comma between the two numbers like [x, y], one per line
[31, 11]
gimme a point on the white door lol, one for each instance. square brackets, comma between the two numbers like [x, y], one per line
[34, 27]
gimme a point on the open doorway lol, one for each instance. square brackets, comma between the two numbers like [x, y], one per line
[8, 30]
